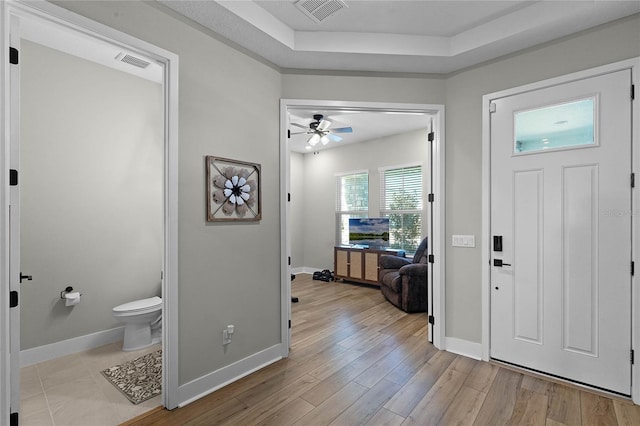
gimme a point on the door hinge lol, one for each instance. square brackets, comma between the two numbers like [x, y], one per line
[432, 320]
[492, 107]
[13, 177]
[289, 323]
[13, 419]
[289, 260]
[288, 134]
[632, 357]
[633, 267]
[13, 299]
[633, 180]
[431, 136]
[13, 56]
[633, 91]
[431, 198]
[432, 259]
[288, 196]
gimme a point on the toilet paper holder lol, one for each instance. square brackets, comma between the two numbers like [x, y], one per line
[65, 291]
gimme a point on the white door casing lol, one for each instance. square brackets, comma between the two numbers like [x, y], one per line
[435, 215]
[14, 217]
[563, 305]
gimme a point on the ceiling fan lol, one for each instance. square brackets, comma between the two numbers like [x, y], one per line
[320, 131]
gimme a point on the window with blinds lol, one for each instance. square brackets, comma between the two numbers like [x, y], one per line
[352, 200]
[401, 202]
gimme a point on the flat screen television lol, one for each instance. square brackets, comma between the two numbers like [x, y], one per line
[370, 232]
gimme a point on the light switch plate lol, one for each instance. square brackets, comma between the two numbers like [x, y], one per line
[463, 240]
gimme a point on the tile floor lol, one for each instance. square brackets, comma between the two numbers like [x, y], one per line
[71, 390]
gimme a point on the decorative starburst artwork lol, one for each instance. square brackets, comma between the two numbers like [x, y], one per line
[233, 190]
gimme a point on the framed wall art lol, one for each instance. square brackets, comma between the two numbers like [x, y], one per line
[233, 190]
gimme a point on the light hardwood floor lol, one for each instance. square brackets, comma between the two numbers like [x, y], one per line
[357, 360]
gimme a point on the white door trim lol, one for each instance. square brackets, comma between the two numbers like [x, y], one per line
[634, 66]
[436, 240]
[59, 16]
[5, 119]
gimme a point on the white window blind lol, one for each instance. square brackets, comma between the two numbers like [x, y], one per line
[352, 200]
[401, 201]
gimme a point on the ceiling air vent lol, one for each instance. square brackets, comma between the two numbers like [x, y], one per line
[132, 60]
[319, 10]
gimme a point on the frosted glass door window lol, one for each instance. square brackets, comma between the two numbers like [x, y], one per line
[562, 126]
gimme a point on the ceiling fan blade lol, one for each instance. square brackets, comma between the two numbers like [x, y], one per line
[323, 125]
[300, 125]
[342, 130]
[333, 137]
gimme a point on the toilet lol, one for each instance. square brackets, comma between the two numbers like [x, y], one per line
[142, 322]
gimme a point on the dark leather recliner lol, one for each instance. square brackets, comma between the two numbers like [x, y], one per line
[404, 282]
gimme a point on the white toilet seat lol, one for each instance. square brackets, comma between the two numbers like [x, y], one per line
[138, 307]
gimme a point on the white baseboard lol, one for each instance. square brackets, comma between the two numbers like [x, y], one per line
[205, 385]
[70, 346]
[463, 347]
[304, 270]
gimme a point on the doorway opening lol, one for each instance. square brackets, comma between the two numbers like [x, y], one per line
[428, 117]
[26, 24]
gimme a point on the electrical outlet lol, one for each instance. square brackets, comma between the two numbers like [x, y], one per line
[227, 333]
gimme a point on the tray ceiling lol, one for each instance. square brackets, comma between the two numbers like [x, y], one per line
[419, 36]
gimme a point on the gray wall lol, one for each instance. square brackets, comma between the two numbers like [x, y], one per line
[464, 91]
[221, 90]
[228, 107]
[369, 88]
[462, 95]
[319, 189]
[91, 192]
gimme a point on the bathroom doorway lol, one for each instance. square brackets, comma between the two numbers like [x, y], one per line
[115, 178]
[95, 227]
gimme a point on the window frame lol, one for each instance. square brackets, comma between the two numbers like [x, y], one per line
[339, 213]
[594, 98]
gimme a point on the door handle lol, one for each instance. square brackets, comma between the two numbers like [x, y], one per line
[499, 263]
[25, 277]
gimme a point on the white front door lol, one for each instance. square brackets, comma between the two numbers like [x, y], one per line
[561, 203]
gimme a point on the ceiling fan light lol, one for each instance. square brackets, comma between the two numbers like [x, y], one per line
[324, 139]
[313, 140]
[323, 125]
